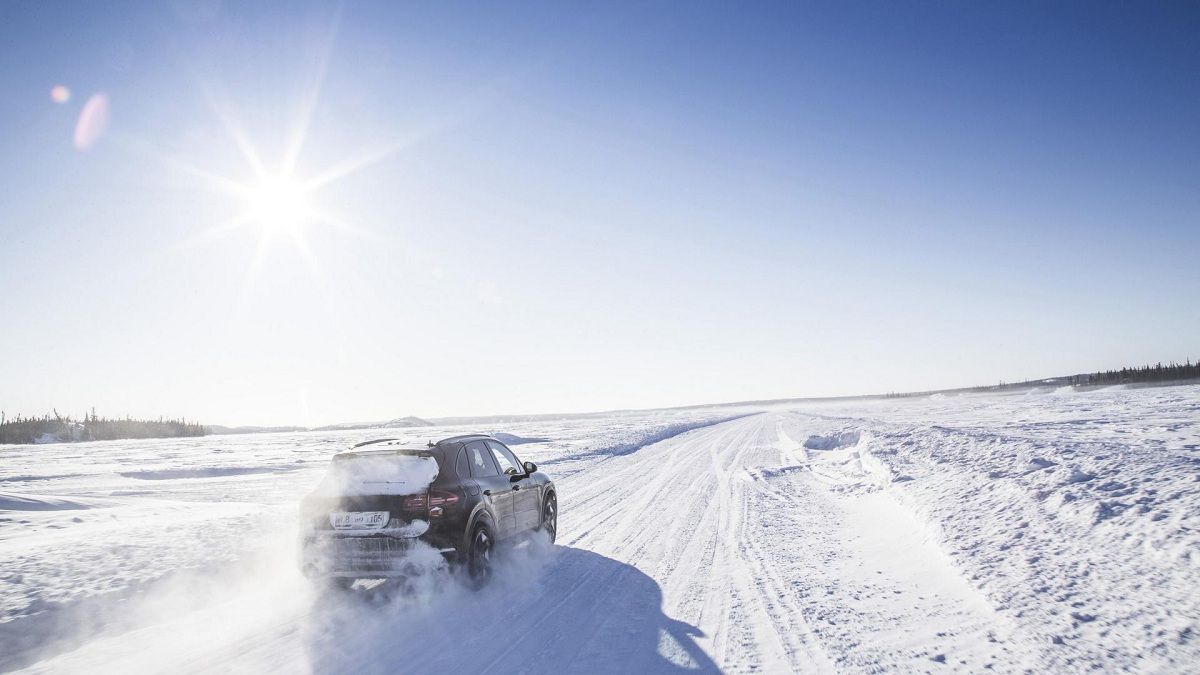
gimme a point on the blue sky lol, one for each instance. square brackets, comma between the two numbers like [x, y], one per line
[544, 208]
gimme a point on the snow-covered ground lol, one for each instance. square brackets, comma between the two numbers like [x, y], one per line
[1044, 531]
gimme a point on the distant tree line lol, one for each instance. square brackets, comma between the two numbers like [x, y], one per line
[1156, 373]
[59, 428]
[1172, 372]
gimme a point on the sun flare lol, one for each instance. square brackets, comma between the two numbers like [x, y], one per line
[270, 197]
[279, 205]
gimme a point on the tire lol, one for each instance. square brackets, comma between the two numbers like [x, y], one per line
[480, 551]
[549, 522]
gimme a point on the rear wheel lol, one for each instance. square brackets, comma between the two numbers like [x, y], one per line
[479, 556]
[550, 516]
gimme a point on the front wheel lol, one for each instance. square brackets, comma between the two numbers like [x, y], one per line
[550, 516]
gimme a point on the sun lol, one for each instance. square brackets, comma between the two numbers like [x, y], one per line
[271, 196]
[279, 205]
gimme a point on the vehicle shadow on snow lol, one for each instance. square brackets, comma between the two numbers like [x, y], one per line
[549, 610]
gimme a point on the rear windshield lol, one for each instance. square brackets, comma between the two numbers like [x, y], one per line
[383, 474]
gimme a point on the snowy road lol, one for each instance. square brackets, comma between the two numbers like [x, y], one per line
[780, 541]
[768, 565]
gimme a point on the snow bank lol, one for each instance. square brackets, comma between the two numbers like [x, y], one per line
[616, 441]
[206, 472]
[1077, 516]
[661, 434]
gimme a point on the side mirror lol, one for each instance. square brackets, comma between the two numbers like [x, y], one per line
[530, 467]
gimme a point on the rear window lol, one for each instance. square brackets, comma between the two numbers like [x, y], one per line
[382, 474]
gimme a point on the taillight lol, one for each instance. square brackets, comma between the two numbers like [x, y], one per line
[434, 498]
[439, 498]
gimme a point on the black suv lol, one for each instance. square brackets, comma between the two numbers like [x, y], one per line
[462, 496]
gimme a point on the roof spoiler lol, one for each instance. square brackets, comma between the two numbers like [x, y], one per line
[365, 446]
[372, 442]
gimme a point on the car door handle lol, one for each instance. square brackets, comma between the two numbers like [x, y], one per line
[489, 493]
[516, 487]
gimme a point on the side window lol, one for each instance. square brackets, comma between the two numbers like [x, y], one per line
[460, 465]
[508, 461]
[480, 460]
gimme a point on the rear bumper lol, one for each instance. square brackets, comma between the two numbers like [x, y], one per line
[330, 554]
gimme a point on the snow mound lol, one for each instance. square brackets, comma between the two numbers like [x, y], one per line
[1078, 476]
[513, 439]
[836, 441]
[769, 473]
[12, 501]
[1036, 464]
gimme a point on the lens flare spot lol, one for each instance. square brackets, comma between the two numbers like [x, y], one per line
[60, 94]
[93, 120]
[279, 205]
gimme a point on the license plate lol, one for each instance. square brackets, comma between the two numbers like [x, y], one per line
[358, 520]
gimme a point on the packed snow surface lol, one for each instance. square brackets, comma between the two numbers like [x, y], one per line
[1046, 531]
